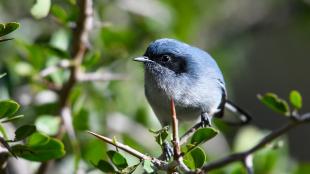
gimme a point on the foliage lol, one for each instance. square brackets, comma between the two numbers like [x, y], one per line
[38, 67]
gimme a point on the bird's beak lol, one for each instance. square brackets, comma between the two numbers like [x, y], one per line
[142, 59]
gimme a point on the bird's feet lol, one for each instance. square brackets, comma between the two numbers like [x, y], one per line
[167, 151]
[205, 120]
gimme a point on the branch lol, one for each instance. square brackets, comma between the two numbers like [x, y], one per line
[175, 133]
[51, 69]
[175, 138]
[79, 45]
[245, 156]
[131, 151]
[107, 76]
[189, 133]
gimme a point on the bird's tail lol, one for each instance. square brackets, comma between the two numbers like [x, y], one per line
[243, 116]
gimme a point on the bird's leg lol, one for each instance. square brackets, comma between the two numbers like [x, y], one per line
[205, 119]
[167, 151]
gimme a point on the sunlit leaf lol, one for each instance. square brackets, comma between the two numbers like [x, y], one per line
[8, 28]
[275, 103]
[2, 75]
[161, 135]
[148, 166]
[202, 135]
[41, 8]
[296, 99]
[17, 117]
[117, 159]
[195, 159]
[130, 169]
[40, 147]
[8, 108]
[48, 124]
[24, 132]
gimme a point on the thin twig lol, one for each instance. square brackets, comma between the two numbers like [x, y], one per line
[63, 64]
[107, 76]
[175, 132]
[175, 138]
[133, 152]
[241, 156]
[79, 47]
[189, 133]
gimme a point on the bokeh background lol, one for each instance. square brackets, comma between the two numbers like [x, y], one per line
[261, 46]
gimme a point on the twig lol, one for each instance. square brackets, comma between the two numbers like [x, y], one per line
[107, 76]
[175, 138]
[242, 156]
[128, 149]
[79, 46]
[175, 132]
[189, 133]
[51, 69]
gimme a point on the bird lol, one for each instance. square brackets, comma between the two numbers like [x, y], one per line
[174, 70]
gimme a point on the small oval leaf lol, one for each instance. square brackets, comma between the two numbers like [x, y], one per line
[202, 135]
[41, 8]
[2, 75]
[8, 108]
[8, 28]
[148, 166]
[40, 148]
[275, 103]
[195, 159]
[24, 132]
[296, 99]
[117, 159]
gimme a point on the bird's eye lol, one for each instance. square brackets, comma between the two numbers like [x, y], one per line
[165, 58]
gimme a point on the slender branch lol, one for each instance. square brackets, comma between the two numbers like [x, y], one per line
[189, 133]
[175, 132]
[107, 76]
[79, 46]
[51, 69]
[242, 156]
[131, 151]
[175, 138]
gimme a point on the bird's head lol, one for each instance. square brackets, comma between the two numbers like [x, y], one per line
[167, 55]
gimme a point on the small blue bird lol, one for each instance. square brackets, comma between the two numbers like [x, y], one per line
[189, 76]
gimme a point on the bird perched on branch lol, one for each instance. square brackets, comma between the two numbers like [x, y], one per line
[189, 76]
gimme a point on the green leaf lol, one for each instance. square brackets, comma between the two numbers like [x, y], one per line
[2, 75]
[24, 132]
[59, 13]
[8, 28]
[195, 159]
[48, 124]
[202, 135]
[161, 135]
[130, 169]
[81, 120]
[104, 166]
[8, 108]
[40, 147]
[148, 166]
[17, 117]
[117, 159]
[41, 8]
[275, 103]
[296, 99]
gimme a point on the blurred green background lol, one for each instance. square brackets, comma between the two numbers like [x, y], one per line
[260, 45]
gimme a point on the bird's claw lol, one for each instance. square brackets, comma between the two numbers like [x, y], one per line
[205, 120]
[167, 151]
